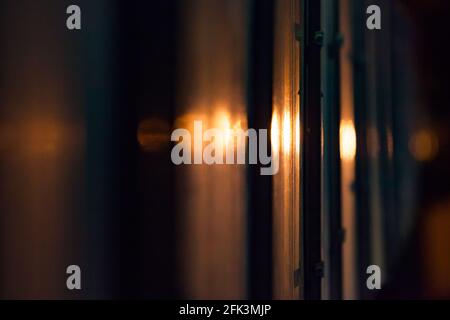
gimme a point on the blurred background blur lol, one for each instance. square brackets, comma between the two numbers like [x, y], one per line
[358, 117]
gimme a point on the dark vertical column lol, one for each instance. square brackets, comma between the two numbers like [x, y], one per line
[387, 90]
[331, 154]
[129, 88]
[311, 149]
[259, 97]
[144, 177]
[99, 56]
[363, 233]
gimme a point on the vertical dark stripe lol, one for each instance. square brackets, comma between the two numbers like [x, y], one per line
[259, 98]
[311, 149]
[331, 153]
[363, 233]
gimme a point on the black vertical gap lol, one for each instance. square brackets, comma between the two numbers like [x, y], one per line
[390, 215]
[363, 232]
[3, 81]
[144, 230]
[333, 154]
[125, 128]
[260, 62]
[98, 76]
[311, 149]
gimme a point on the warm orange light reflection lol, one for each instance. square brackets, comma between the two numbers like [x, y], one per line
[228, 129]
[287, 132]
[347, 140]
[297, 133]
[34, 136]
[223, 123]
[424, 145]
[275, 133]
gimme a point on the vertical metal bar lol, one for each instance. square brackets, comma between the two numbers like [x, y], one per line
[310, 165]
[331, 155]
[363, 233]
[99, 88]
[259, 102]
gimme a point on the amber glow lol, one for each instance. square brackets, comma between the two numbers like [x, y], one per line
[297, 133]
[275, 133]
[227, 127]
[424, 145]
[34, 136]
[287, 133]
[223, 123]
[347, 140]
